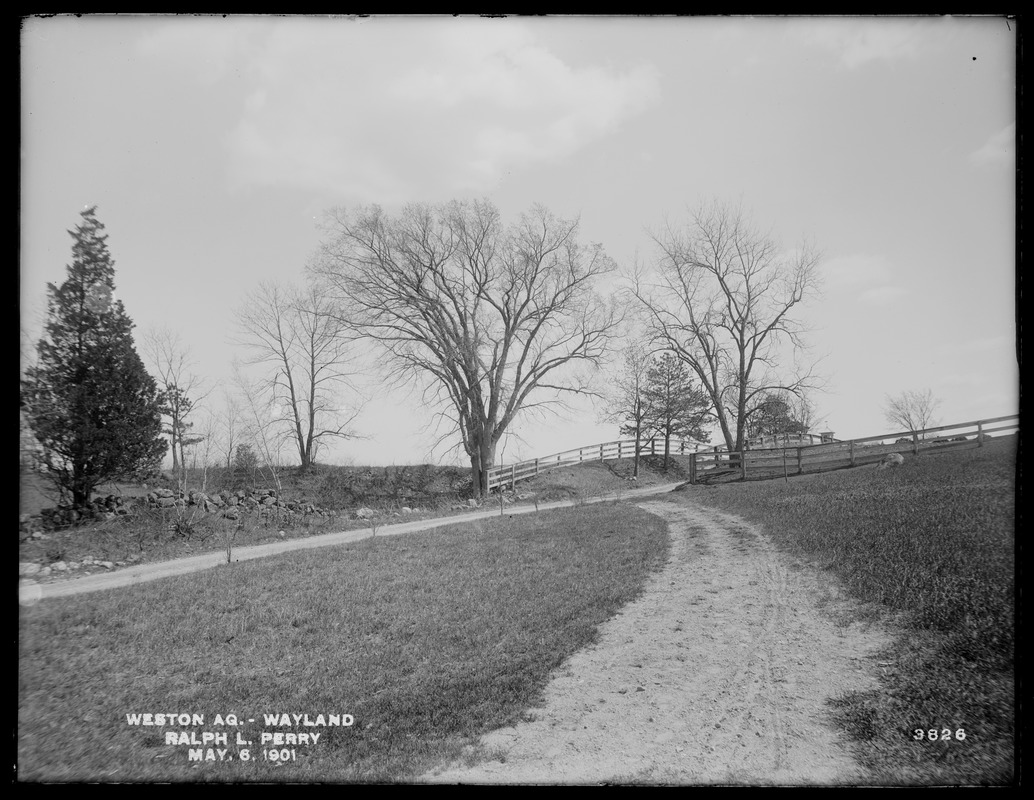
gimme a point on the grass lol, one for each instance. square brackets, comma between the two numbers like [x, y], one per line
[160, 534]
[933, 544]
[426, 640]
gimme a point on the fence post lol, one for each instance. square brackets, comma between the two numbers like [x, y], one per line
[743, 464]
[800, 461]
[619, 449]
[915, 443]
[536, 466]
[601, 452]
[850, 450]
[980, 434]
[693, 468]
[513, 478]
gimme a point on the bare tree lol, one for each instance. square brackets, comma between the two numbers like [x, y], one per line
[307, 349]
[723, 299]
[181, 390]
[263, 431]
[626, 401]
[912, 410]
[230, 428]
[490, 318]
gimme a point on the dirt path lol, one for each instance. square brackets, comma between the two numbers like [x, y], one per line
[717, 675]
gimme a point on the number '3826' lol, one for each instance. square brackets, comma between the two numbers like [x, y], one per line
[939, 734]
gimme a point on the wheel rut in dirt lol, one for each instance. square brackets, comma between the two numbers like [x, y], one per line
[718, 674]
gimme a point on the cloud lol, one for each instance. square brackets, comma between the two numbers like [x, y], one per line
[999, 149]
[881, 295]
[862, 41]
[856, 270]
[868, 278]
[388, 109]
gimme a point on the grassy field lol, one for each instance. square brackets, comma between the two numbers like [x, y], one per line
[933, 543]
[426, 641]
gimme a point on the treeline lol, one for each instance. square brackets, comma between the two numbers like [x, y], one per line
[491, 319]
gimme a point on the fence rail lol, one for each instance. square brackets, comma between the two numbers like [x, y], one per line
[774, 462]
[509, 474]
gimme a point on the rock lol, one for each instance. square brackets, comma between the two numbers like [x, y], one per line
[105, 564]
[364, 513]
[472, 503]
[60, 566]
[44, 572]
[26, 568]
[891, 460]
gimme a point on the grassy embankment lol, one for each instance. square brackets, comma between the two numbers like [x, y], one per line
[427, 640]
[933, 542]
[161, 534]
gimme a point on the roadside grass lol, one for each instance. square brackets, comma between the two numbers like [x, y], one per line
[161, 534]
[933, 543]
[427, 640]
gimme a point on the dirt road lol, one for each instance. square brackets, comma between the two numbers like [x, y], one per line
[719, 674]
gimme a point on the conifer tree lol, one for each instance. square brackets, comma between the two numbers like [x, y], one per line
[674, 406]
[89, 401]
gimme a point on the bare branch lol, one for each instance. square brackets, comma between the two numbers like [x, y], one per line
[478, 312]
[723, 298]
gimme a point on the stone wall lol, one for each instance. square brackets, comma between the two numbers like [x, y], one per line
[229, 505]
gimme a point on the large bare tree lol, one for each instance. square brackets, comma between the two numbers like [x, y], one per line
[491, 317]
[724, 298]
[306, 349]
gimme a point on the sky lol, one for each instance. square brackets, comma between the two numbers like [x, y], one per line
[213, 147]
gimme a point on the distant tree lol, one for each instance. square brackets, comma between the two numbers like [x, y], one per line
[626, 400]
[181, 391]
[675, 407]
[90, 403]
[912, 410]
[245, 465]
[230, 425]
[776, 414]
[305, 347]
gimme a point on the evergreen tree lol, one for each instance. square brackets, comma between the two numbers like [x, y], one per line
[245, 465]
[675, 408]
[90, 403]
[777, 415]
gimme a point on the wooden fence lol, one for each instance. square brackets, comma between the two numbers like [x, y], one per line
[775, 462]
[624, 448]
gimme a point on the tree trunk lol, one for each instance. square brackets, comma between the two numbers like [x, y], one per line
[482, 460]
[635, 460]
